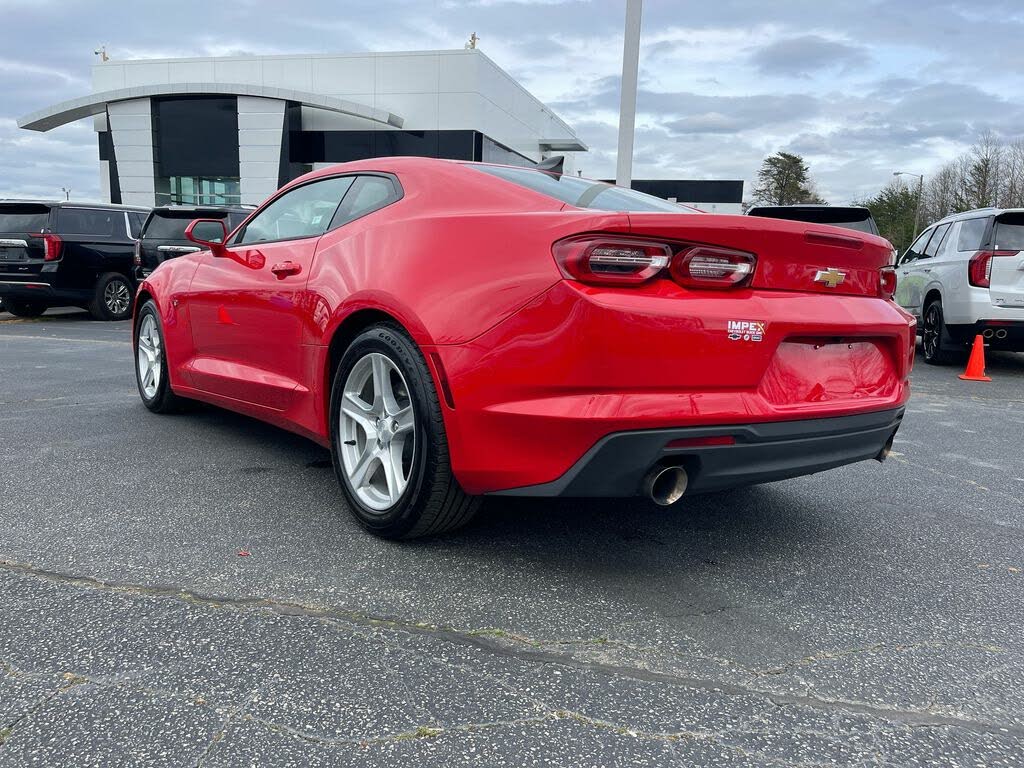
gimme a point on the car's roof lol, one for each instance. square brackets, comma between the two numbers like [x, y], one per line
[73, 204]
[977, 213]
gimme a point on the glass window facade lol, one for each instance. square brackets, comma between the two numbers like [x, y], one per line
[344, 146]
[198, 190]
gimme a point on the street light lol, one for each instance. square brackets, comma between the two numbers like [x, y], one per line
[627, 94]
[920, 194]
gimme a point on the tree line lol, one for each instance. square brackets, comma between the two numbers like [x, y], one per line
[990, 173]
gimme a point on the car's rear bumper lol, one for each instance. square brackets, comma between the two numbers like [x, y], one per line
[38, 288]
[999, 334]
[760, 453]
[538, 391]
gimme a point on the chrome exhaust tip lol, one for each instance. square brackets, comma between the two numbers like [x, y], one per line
[886, 449]
[988, 333]
[1001, 333]
[665, 485]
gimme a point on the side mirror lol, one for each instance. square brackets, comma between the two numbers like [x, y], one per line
[209, 233]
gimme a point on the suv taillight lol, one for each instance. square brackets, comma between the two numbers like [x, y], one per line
[887, 282]
[137, 253]
[52, 246]
[610, 260]
[704, 266]
[979, 268]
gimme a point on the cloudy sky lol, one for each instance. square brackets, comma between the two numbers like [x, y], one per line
[859, 88]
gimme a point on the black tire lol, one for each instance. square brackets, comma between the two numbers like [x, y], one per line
[432, 501]
[163, 399]
[24, 307]
[113, 298]
[937, 346]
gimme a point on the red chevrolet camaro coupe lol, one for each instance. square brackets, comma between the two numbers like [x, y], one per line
[453, 329]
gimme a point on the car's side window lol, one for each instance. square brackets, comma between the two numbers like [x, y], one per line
[305, 211]
[972, 235]
[933, 245]
[916, 250]
[947, 248]
[368, 194]
[91, 222]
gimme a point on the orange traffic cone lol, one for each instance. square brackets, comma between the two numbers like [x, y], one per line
[976, 364]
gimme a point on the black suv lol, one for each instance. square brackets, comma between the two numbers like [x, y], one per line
[55, 254]
[163, 234]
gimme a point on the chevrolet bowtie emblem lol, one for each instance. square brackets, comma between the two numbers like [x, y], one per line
[831, 277]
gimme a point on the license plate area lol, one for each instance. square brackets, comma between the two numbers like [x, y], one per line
[806, 371]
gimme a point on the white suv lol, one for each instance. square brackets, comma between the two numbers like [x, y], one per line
[965, 276]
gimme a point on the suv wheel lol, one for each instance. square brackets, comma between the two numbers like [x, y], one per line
[24, 307]
[388, 442]
[113, 297]
[936, 343]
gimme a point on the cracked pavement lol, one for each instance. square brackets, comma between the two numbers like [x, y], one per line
[866, 616]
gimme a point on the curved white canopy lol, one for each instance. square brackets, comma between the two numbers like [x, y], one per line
[96, 103]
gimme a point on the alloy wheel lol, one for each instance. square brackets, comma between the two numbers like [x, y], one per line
[377, 431]
[149, 357]
[117, 297]
[931, 331]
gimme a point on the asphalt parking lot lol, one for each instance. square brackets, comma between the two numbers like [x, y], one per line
[867, 616]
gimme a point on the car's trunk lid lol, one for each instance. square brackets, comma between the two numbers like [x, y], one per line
[791, 256]
[1006, 280]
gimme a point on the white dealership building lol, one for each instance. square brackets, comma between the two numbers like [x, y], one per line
[234, 129]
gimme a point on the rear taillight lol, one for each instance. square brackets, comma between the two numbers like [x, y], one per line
[52, 246]
[609, 260]
[887, 284]
[703, 266]
[979, 268]
[137, 254]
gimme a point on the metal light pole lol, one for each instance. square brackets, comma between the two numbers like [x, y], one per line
[627, 98]
[920, 194]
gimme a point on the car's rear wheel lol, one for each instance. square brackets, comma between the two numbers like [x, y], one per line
[936, 344]
[113, 297]
[388, 442]
[24, 307]
[151, 363]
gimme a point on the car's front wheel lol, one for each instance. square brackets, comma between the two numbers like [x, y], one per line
[151, 363]
[388, 441]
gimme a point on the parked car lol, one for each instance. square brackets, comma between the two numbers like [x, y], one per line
[163, 233]
[852, 217]
[55, 254]
[964, 276]
[453, 329]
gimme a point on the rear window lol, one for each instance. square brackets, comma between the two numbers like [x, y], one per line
[972, 232]
[1010, 232]
[24, 218]
[171, 225]
[582, 193]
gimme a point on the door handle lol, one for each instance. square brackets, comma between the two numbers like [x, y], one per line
[929, 269]
[286, 268]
